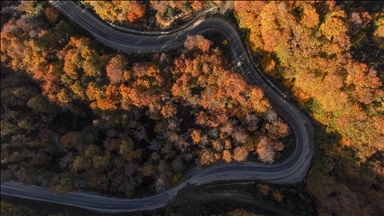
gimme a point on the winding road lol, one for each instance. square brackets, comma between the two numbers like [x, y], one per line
[292, 170]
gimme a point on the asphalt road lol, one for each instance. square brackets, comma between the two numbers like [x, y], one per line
[290, 171]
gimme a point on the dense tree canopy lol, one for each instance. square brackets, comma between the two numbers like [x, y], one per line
[118, 11]
[84, 118]
[76, 115]
[134, 12]
[307, 46]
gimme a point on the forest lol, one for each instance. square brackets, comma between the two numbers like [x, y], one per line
[330, 56]
[76, 115]
[153, 15]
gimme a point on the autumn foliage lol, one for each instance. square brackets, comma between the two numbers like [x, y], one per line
[119, 11]
[308, 46]
[136, 12]
[76, 116]
[108, 122]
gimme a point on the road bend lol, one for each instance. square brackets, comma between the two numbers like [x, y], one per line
[291, 170]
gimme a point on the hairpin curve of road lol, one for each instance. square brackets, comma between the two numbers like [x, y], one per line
[291, 170]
